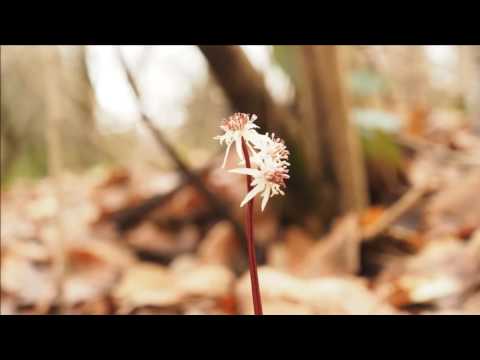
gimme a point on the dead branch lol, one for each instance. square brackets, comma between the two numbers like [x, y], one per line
[192, 177]
[417, 144]
[125, 219]
[331, 126]
[392, 214]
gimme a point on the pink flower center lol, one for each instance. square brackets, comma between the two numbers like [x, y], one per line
[235, 122]
[278, 150]
[277, 176]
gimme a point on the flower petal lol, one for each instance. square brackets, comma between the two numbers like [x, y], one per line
[246, 171]
[226, 155]
[266, 196]
[257, 189]
[250, 147]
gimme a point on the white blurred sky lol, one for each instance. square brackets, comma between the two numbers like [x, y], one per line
[168, 74]
[445, 64]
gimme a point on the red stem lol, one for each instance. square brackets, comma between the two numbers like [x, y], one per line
[252, 261]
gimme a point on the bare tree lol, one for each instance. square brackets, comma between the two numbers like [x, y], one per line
[337, 146]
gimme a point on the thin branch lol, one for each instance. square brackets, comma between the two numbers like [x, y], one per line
[417, 144]
[126, 219]
[217, 205]
[392, 214]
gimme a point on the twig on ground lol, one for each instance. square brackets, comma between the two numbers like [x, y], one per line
[128, 218]
[392, 214]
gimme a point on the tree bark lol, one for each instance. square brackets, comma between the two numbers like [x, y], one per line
[245, 88]
[337, 147]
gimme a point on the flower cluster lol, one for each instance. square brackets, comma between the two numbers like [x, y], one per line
[268, 156]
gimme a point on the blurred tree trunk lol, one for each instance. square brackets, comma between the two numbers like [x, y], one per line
[53, 112]
[327, 174]
[79, 104]
[82, 96]
[22, 112]
[24, 117]
[474, 88]
[476, 91]
[413, 76]
[335, 146]
[469, 77]
[72, 99]
[245, 88]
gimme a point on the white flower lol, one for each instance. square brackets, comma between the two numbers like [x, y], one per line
[236, 127]
[268, 180]
[270, 149]
[268, 155]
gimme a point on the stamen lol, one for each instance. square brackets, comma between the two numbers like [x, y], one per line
[277, 176]
[235, 122]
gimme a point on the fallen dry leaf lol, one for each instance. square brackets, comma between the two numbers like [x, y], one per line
[30, 250]
[153, 285]
[472, 305]
[28, 283]
[92, 268]
[146, 284]
[151, 238]
[337, 253]
[290, 254]
[220, 245]
[329, 295]
[7, 305]
[443, 270]
[456, 210]
[371, 216]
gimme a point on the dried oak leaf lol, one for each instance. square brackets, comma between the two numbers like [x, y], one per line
[337, 253]
[28, 283]
[185, 203]
[455, 210]
[156, 240]
[8, 305]
[212, 281]
[442, 271]
[148, 285]
[32, 251]
[92, 269]
[472, 304]
[289, 294]
[291, 253]
[220, 245]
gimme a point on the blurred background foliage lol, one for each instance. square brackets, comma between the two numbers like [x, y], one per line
[82, 86]
[114, 202]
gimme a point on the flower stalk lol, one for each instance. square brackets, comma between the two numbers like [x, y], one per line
[265, 158]
[252, 261]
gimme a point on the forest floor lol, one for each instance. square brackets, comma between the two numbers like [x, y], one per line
[83, 245]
